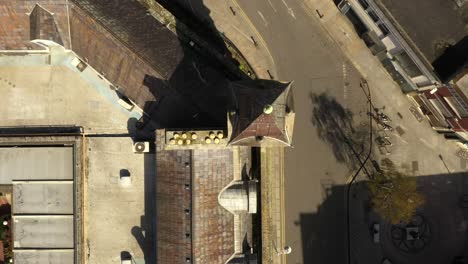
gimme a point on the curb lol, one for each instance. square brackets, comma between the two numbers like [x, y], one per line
[193, 39]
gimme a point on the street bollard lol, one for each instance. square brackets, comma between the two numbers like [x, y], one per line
[254, 42]
[232, 10]
[271, 76]
[318, 13]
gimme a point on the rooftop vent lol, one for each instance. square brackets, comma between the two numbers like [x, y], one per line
[141, 147]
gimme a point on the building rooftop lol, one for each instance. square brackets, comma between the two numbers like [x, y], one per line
[173, 196]
[110, 46]
[170, 83]
[43, 197]
[429, 26]
[264, 113]
[43, 200]
[40, 163]
[62, 256]
[43, 232]
[194, 180]
[213, 225]
[17, 26]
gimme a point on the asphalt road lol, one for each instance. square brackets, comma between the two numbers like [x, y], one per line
[314, 177]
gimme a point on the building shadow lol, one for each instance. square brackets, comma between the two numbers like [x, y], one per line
[197, 15]
[180, 81]
[452, 61]
[195, 92]
[145, 233]
[324, 232]
[336, 126]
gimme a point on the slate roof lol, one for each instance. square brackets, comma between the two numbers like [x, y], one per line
[150, 65]
[250, 121]
[131, 25]
[172, 198]
[188, 91]
[43, 25]
[168, 79]
[213, 226]
[102, 50]
[15, 22]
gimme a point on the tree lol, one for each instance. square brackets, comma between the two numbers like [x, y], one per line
[395, 196]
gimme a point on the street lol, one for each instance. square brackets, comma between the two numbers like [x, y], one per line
[303, 52]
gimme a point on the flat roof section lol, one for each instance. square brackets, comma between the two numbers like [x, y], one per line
[44, 256]
[36, 163]
[47, 232]
[43, 197]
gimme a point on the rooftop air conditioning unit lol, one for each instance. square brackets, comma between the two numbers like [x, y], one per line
[141, 147]
[81, 66]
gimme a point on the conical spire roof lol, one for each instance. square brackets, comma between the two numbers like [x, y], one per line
[262, 113]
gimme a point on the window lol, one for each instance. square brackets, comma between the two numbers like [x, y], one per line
[373, 16]
[384, 29]
[364, 4]
[408, 64]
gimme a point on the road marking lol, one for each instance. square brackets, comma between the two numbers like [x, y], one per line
[345, 84]
[274, 9]
[290, 10]
[263, 18]
[199, 73]
[345, 33]
[404, 141]
[426, 143]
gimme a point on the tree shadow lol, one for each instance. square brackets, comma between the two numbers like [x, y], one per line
[336, 126]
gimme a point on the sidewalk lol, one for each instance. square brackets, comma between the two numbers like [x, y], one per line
[229, 19]
[272, 195]
[415, 145]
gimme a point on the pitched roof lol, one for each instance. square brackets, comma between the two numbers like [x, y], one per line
[172, 78]
[102, 50]
[172, 198]
[252, 102]
[15, 22]
[43, 25]
[131, 25]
